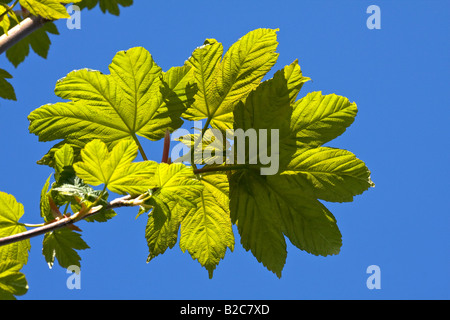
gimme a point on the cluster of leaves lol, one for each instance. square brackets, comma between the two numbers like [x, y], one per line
[39, 41]
[99, 130]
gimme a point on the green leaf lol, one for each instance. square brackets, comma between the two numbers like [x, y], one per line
[266, 209]
[49, 158]
[74, 190]
[38, 40]
[112, 6]
[329, 174]
[6, 89]
[64, 158]
[4, 22]
[10, 213]
[12, 281]
[176, 191]
[212, 149]
[259, 225]
[44, 203]
[266, 109]
[317, 119]
[48, 9]
[206, 230]
[62, 245]
[115, 169]
[222, 83]
[122, 105]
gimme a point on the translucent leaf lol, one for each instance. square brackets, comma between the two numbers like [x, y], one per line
[12, 281]
[222, 83]
[268, 108]
[176, 191]
[266, 209]
[48, 9]
[10, 213]
[329, 174]
[206, 230]
[317, 119]
[127, 103]
[115, 169]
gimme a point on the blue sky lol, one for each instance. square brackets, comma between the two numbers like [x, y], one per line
[398, 76]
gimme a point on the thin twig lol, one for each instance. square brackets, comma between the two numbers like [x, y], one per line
[119, 202]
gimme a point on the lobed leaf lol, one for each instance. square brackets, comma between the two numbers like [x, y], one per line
[39, 41]
[115, 169]
[62, 245]
[268, 108]
[176, 191]
[265, 209]
[137, 98]
[10, 213]
[6, 89]
[112, 6]
[329, 174]
[317, 119]
[206, 230]
[48, 9]
[222, 83]
[12, 281]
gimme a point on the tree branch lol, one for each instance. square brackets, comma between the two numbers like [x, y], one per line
[20, 31]
[117, 203]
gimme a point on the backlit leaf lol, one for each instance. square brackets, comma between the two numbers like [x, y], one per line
[317, 119]
[115, 169]
[222, 83]
[127, 103]
[206, 229]
[10, 213]
[12, 281]
[329, 174]
[176, 191]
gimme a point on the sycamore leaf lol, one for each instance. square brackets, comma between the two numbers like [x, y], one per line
[122, 105]
[115, 169]
[64, 157]
[48, 9]
[222, 83]
[267, 110]
[206, 230]
[283, 204]
[12, 281]
[266, 209]
[112, 6]
[61, 244]
[77, 193]
[6, 89]
[212, 149]
[38, 40]
[176, 191]
[329, 174]
[317, 119]
[44, 203]
[10, 213]
[4, 21]
[49, 158]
